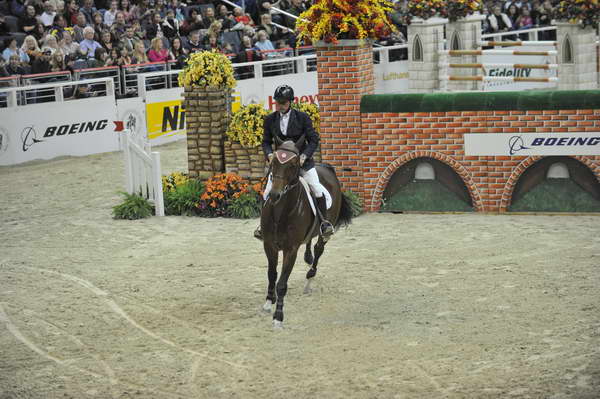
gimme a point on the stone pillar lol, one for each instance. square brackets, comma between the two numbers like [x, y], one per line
[425, 40]
[464, 34]
[207, 114]
[577, 62]
[345, 74]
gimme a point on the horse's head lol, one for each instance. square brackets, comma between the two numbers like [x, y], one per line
[285, 169]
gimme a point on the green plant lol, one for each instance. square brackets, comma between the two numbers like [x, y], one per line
[245, 206]
[134, 207]
[356, 203]
[184, 198]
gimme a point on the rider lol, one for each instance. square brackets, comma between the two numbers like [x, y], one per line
[287, 123]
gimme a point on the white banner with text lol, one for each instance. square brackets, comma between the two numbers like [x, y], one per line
[490, 144]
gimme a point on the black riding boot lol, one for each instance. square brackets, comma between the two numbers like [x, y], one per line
[326, 227]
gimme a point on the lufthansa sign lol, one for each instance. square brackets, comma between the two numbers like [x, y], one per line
[525, 144]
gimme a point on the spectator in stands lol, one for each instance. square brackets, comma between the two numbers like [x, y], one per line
[15, 66]
[170, 25]
[71, 12]
[58, 27]
[47, 17]
[119, 26]
[214, 30]
[248, 53]
[79, 27]
[209, 17]
[3, 74]
[57, 62]
[513, 13]
[31, 48]
[225, 17]
[98, 25]
[67, 45]
[125, 58]
[241, 17]
[126, 9]
[39, 32]
[111, 14]
[264, 44]
[139, 54]
[88, 10]
[160, 7]
[179, 53]
[4, 28]
[113, 57]
[213, 43]
[157, 53]
[179, 10]
[265, 7]
[194, 43]
[192, 23]
[88, 46]
[142, 12]
[545, 12]
[83, 91]
[498, 21]
[12, 49]
[107, 41]
[41, 64]
[100, 57]
[49, 42]
[17, 8]
[275, 33]
[28, 21]
[524, 21]
[296, 8]
[155, 29]
[130, 40]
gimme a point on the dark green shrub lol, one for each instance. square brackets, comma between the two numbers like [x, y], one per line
[134, 207]
[184, 198]
[355, 203]
[246, 206]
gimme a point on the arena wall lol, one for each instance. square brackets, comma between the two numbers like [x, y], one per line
[398, 128]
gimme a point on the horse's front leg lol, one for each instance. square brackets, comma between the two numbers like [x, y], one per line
[289, 258]
[272, 257]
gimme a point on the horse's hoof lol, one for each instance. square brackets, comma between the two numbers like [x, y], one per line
[267, 306]
[277, 325]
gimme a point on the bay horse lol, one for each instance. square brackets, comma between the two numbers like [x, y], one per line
[287, 221]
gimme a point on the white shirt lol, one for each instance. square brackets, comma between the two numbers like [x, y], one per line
[283, 121]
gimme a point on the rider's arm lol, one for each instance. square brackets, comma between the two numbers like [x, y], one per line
[267, 141]
[311, 136]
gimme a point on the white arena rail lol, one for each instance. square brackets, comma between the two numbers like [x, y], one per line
[142, 170]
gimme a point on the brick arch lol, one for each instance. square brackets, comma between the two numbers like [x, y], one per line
[525, 164]
[464, 174]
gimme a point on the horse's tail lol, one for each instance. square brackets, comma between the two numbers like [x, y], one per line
[345, 216]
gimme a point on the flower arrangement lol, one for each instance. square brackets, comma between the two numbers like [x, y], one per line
[313, 112]
[174, 180]
[220, 190]
[426, 9]
[586, 12]
[332, 20]
[458, 9]
[207, 68]
[247, 125]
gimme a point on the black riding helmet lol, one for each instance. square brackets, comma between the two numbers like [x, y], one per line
[284, 92]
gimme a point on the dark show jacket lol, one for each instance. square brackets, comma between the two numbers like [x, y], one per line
[298, 125]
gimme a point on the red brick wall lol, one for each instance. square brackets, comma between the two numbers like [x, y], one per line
[345, 74]
[389, 140]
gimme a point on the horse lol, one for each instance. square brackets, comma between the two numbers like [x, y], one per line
[287, 221]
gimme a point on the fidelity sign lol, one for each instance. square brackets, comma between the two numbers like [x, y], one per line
[488, 144]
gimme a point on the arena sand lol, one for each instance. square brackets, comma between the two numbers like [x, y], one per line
[404, 306]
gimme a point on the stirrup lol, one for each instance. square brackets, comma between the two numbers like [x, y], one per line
[258, 234]
[326, 229]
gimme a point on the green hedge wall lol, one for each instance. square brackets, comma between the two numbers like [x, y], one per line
[481, 101]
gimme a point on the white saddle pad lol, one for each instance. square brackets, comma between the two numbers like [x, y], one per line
[310, 198]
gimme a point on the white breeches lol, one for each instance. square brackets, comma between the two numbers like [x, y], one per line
[312, 178]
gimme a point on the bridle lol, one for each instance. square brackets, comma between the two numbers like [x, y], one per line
[288, 187]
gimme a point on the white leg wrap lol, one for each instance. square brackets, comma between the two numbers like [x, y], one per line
[267, 306]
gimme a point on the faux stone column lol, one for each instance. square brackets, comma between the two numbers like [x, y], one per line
[207, 114]
[425, 40]
[577, 62]
[345, 74]
[464, 34]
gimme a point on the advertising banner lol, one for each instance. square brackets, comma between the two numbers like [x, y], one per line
[165, 116]
[391, 77]
[48, 130]
[489, 144]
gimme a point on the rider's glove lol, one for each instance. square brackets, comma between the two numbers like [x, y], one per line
[270, 157]
[302, 159]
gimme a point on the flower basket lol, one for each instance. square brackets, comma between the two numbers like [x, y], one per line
[426, 9]
[207, 69]
[578, 12]
[460, 9]
[334, 20]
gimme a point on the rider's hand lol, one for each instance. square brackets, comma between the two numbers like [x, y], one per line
[270, 157]
[302, 159]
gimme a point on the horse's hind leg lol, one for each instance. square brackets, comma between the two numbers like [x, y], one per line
[272, 256]
[312, 272]
[308, 256]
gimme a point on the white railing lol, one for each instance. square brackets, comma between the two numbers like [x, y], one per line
[532, 33]
[142, 170]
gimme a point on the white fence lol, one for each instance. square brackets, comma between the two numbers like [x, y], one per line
[142, 170]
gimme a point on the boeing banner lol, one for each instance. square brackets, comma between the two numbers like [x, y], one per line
[525, 144]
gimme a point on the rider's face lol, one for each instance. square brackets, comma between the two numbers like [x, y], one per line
[282, 106]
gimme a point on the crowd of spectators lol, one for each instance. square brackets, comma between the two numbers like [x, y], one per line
[42, 36]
